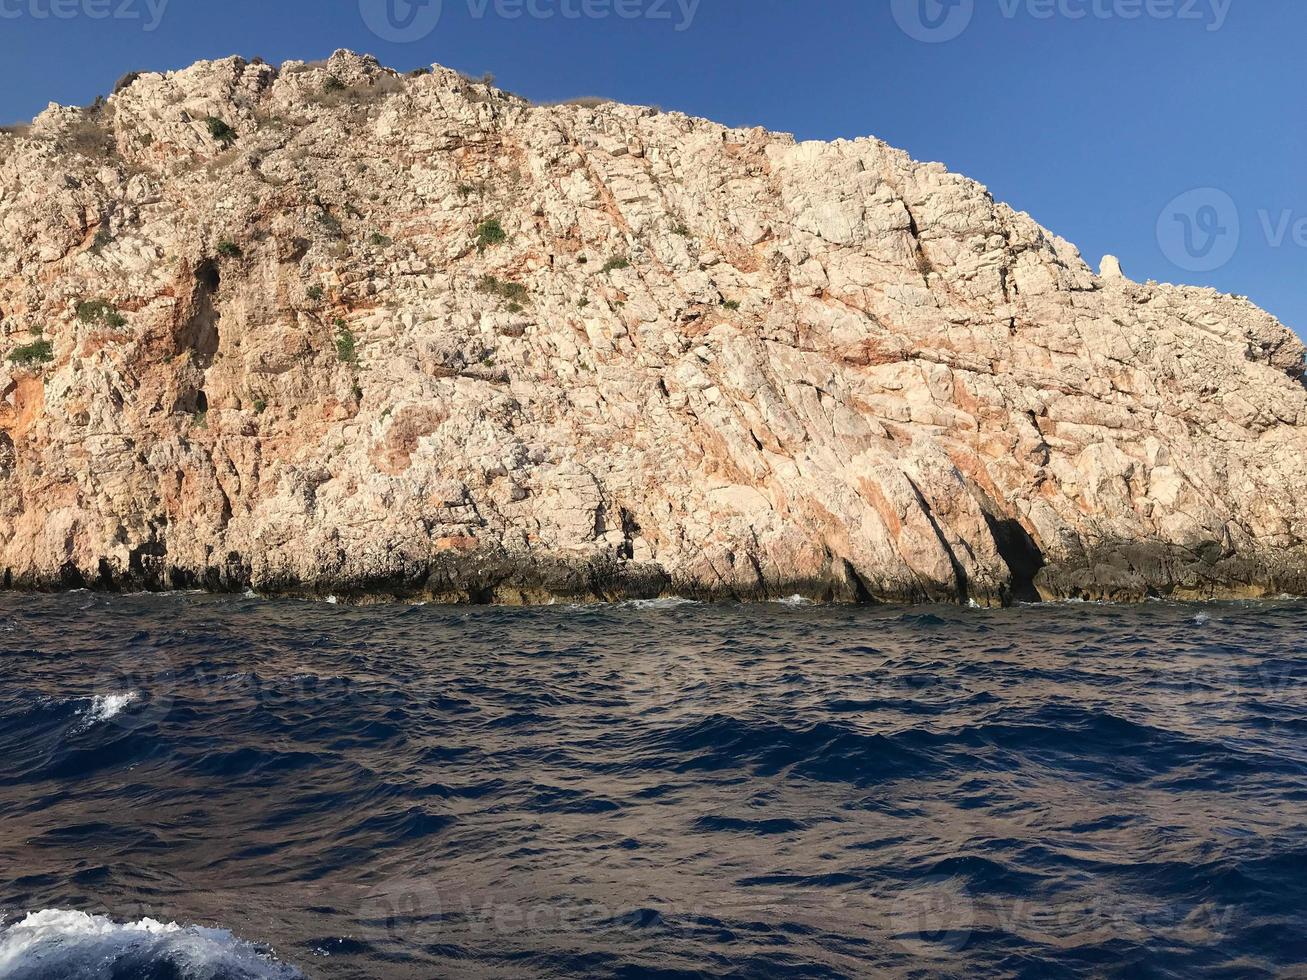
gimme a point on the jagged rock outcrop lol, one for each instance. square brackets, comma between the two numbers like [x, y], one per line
[327, 328]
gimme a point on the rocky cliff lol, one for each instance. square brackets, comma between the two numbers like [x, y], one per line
[329, 328]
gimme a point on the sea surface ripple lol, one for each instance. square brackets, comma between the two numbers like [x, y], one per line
[228, 788]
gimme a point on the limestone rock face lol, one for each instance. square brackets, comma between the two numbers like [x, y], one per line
[326, 328]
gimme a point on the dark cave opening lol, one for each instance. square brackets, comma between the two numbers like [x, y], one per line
[208, 276]
[1023, 557]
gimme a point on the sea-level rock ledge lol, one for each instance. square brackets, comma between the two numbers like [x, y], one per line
[328, 328]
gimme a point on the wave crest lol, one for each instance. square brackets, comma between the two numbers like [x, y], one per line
[105, 707]
[78, 946]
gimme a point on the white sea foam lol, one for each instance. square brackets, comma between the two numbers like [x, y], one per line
[107, 706]
[793, 600]
[332, 600]
[671, 602]
[78, 946]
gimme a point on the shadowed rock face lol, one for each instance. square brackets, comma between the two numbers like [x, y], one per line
[817, 368]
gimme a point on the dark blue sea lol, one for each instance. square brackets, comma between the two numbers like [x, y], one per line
[226, 787]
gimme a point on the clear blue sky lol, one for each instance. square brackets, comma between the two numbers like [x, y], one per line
[1093, 124]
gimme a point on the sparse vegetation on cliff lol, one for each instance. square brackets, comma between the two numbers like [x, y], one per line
[346, 346]
[329, 222]
[29, 355]
[504, 289]
[98, 311]
[90, 137]
[220, 131]
[490, 232]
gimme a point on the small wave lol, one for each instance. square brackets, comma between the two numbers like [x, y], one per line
[670, 602]
[59, 943]
[793, 600]
[107, 706]
[149, 593]
[824, 752]
[737, 825]
[331, 600]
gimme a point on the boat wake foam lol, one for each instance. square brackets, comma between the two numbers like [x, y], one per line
[77, 946]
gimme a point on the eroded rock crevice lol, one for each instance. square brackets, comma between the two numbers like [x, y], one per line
[1022, 556]
[198, 334]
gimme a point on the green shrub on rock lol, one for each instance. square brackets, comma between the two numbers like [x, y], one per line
[98, 311]
[513, 291]
[220, 131]
[346, 346]
[29, 355]
[490, 232]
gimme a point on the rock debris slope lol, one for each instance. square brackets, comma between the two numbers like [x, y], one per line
[329, 328]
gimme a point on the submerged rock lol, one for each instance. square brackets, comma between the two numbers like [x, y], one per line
[324, 328]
